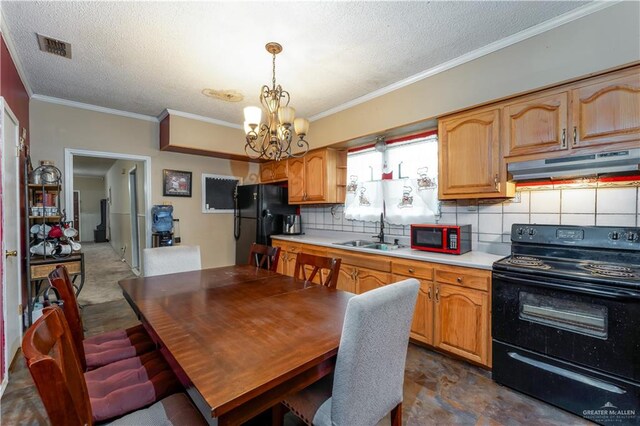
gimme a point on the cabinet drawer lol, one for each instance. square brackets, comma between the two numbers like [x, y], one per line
[376, 263]
[472, 278]
[40, 272]
[412, 269]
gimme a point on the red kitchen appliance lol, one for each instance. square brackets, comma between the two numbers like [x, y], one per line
[450, 239]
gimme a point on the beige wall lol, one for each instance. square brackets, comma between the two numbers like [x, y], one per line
[55, 127]
[194, 134]
[602, 40]
[92, 190]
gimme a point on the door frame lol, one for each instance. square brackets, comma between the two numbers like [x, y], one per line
[133, 208]
[69, 153]
[75, 225]
[4, 107]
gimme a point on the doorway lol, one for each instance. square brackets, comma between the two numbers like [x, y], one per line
[10, 230]
[135, 232]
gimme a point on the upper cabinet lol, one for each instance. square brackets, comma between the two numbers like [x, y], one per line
[536, 124]
[318, 177]
[607, 110]
[471, 163]
[274, 171]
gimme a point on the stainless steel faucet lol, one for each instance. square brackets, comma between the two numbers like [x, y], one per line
[380, 236]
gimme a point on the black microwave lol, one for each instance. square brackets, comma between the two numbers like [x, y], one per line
[451, 239]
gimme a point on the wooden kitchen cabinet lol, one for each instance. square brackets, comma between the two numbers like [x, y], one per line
[369, 279]
[346, 278]
[422, 324]
[461, 321]
[536, 124]
[318, 177]
[274, 171]
[288, 255]
[470, 159]
[606, 110]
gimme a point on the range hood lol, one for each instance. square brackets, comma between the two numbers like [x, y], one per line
[580, 165]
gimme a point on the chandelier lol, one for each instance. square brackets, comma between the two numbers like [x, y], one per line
[272, 139]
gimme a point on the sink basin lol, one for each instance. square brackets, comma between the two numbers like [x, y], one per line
[369, 245]
[356, 243]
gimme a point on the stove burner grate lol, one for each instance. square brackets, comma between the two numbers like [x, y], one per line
[528, 262]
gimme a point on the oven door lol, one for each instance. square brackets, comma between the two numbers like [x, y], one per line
[595, 326]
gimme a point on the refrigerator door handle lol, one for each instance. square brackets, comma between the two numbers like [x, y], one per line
[236, 215]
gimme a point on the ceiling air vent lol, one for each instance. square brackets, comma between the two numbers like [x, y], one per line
[55, 47]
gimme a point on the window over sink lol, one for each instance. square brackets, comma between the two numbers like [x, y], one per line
[398, 178]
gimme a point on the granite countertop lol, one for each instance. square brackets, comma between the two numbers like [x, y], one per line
[472, 259]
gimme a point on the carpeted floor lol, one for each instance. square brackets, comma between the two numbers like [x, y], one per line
[103, 269]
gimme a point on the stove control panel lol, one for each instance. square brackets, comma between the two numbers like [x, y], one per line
[577, 236]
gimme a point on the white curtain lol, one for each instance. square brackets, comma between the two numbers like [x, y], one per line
[408, 202]
[366, 203]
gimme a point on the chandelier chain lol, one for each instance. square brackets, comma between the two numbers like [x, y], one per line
[274, 72]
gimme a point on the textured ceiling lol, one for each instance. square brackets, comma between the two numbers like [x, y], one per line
[90, 166]
[144, 57]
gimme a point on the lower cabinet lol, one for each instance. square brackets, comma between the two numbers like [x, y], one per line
[461, 321]
[453, 308]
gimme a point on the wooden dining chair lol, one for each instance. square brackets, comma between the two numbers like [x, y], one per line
[369, 374]
[170, 260]
[55, 367]
[325, 268]
[264, 257]
[104, 348]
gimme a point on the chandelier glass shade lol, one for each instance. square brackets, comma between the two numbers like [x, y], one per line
[273, 139]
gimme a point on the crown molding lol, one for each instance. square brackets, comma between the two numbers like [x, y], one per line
[96, 108]
[468, 57]
[4, 29]
[198, 118]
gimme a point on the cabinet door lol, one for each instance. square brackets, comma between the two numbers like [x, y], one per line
[315, 170]
[536, 125]
[462, 321]
[296, 180]
[470, 156]
[346, 278]
[607, 111]
[289, 264]
[368, 279]
[422, 325]
[266, 172]
[280, 170]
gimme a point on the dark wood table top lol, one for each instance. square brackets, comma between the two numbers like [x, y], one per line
[239, 332]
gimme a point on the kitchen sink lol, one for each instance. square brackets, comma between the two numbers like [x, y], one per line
[356, 243]
[369, 245]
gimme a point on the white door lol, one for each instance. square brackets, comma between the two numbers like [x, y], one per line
[11, 283]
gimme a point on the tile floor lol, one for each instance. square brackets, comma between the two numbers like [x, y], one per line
[438, 390]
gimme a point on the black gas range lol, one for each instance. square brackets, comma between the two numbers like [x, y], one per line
[566, 319]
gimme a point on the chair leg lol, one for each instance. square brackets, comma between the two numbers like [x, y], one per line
[277, 414]
[396, 415]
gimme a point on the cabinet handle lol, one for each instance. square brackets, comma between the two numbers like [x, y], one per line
[411, 270]
[575, 136]
[564, 138]
[437, 294]
[459, 279]
[429, 293]
[496, 181]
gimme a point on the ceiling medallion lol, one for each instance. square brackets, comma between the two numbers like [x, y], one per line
[224, 95]
[272, 140]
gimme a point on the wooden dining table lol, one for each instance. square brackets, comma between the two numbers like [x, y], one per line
[238, 337]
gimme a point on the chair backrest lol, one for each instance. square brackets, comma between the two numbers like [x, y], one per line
[54, 365]
[60, 280]
[170, 260]
[369, 371]
[318, 263]
[264, 257]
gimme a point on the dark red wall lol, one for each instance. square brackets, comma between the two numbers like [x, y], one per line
[12, 89]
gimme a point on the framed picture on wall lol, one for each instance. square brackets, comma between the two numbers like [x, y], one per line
[176, 183]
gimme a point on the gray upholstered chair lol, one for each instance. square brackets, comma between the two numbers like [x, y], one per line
[369, 374]
[170, 260]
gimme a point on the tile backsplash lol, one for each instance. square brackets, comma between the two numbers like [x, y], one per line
[491, 220]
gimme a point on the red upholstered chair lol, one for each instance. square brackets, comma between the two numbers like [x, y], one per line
[55, 367]
[264, 256]
[104, 348]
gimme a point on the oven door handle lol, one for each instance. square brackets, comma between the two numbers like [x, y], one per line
[611, 293]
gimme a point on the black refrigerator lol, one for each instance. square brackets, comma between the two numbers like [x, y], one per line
[258, 215]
